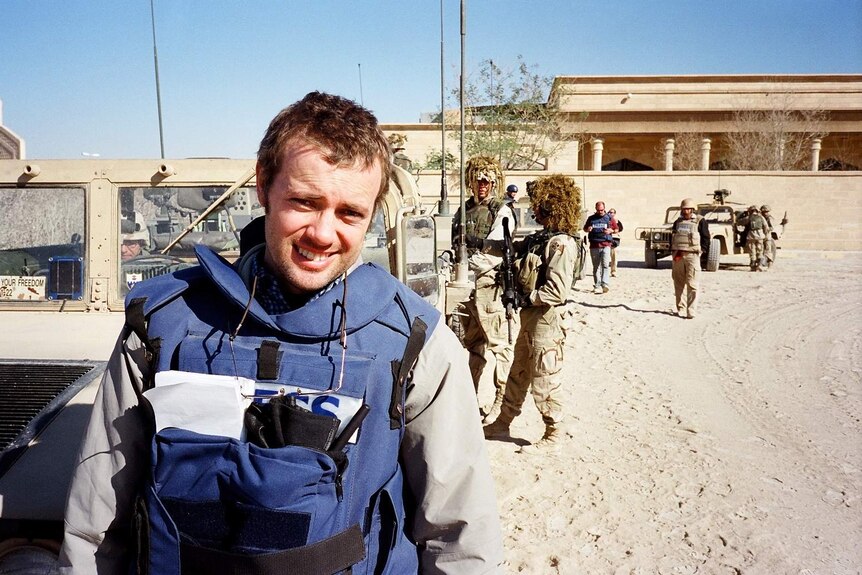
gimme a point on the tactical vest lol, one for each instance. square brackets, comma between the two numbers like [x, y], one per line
[214, 504]
[530, 264]
[686, 236]
[480, 216]
[757, 227]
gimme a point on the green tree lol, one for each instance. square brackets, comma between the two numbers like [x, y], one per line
[508, 116]
[433, 161]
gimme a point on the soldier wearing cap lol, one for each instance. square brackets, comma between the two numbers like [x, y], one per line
[687, 233]
[756, 232]
[485, 326]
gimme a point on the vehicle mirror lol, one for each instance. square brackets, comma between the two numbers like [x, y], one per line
[420, 257]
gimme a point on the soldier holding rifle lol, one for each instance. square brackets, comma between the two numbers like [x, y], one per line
[544, 263]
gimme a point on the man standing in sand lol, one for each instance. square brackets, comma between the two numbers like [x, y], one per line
[600, 228]
[685, 240]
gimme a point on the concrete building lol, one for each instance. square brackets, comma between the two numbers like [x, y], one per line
[642, 143]
[11, 145]
[642, 123]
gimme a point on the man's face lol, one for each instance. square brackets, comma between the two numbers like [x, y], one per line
[600, 208]
[687, 213]
[130, 249]
[483, 188]
[316, 218]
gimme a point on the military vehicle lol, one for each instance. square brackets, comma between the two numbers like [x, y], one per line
[76, 235]
[727, 233]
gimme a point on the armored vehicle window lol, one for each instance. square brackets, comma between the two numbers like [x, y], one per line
[42, 244]
[153, 223]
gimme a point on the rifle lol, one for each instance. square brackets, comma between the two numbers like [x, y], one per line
[507, 271]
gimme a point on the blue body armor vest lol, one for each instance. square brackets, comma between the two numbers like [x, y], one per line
[219, 505]
[600, 232]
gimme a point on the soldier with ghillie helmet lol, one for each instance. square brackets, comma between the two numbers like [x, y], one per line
[484, 325]
[485, 180]
[544, 265]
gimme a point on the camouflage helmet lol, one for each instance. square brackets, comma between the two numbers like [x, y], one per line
[687, 203]
[752, 208]
[484, 168]
[396, 141]
[765, 208]
[559, 198]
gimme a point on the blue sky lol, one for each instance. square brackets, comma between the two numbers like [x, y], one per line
[77, 75]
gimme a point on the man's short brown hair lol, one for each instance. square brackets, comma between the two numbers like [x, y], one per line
[346, 134]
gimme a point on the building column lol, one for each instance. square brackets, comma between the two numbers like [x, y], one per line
[815, 154]
[705, 148]
[598, 146]
[668, 154]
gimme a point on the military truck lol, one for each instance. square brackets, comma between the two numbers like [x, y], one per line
[64, 271]
[727, 233]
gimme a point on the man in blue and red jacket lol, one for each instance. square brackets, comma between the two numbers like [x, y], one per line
[599, 227]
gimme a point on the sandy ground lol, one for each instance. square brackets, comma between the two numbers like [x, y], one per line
[729, 443]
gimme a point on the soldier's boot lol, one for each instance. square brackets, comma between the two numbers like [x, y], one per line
[499, 428]
[493, 412]
[551, 442]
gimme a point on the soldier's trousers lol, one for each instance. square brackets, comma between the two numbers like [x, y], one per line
[755, 251]
[684, 275]
[486, 335]
[537, 366]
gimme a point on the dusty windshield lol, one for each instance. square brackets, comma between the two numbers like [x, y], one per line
[42, 244]
[153, 219]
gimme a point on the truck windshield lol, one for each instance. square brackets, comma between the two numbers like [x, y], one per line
[153, 219]
[42, 244]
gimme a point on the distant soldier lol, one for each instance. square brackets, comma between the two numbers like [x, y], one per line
[486, 334]
[773, 233]
[511, 193]
[396, 146]
[135, 237]
[544, 264]
[687, 234]
[756, 232]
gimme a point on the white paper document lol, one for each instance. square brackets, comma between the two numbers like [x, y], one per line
[202, 403]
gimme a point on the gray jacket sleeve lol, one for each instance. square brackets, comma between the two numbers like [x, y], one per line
[456, 523]
[110, 466]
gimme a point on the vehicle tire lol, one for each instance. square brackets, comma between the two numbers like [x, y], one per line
[650, 257]
[714, 255]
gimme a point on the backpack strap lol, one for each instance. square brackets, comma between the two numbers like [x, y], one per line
[403, 371]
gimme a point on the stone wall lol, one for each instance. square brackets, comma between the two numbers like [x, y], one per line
[824, 208]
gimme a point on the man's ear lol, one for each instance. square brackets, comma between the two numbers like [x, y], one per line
[261, 185]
